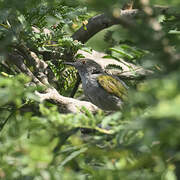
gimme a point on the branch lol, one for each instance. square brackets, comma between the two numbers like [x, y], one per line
[66, 104]
[128, 71]
[95, 24]
[18, 60]
[41, 68]
[100, 22]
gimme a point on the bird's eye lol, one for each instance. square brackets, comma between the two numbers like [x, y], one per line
[83, 62]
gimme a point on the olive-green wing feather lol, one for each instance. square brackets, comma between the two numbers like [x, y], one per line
[113, 86]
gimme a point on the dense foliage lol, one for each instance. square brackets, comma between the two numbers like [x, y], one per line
[38, 142]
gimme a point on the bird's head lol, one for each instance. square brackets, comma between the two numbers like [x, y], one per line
[86, 66]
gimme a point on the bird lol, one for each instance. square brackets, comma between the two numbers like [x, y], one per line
[106, 91]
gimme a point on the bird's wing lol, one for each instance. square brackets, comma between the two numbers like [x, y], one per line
[113, 86]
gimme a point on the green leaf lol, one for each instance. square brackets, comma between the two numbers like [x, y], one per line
[122, 52]
[72, 156]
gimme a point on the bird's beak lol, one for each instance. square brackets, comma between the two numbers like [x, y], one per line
[69, 63]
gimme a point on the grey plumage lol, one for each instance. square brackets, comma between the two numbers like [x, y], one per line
[90, 72]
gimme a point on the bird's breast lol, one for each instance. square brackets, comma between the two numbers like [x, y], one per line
[98, 96]
[90, 84]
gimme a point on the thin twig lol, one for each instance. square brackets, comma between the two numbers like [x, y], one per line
[4, 123]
